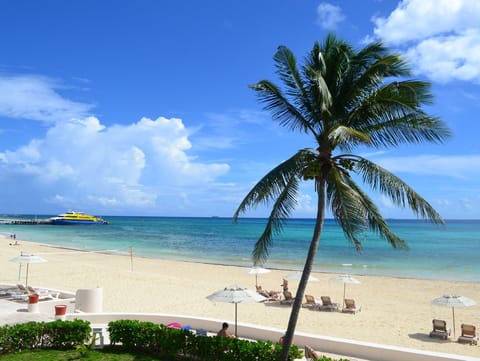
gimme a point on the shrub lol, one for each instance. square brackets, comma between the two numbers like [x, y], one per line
[171, 343]
[33, 335]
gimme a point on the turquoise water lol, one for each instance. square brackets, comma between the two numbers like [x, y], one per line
[450, 253]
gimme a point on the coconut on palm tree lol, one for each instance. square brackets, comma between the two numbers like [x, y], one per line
[345, 99]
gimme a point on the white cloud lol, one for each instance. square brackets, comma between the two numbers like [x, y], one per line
[440, 37]
[35, 97]
[448, 57]
[137, 166]
[329, 16]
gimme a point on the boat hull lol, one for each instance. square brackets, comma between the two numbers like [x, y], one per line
[74, 222]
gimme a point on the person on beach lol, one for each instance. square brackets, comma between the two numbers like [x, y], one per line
[284, 285]
[224, 331]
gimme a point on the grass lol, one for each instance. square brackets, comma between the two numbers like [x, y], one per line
[74, 355]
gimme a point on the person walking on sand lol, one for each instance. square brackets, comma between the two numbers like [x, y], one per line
[284, 285]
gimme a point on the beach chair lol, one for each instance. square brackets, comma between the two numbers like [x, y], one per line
[469, 334]
[288, 298]
[327, 304]
[440, 329]
[311, 302]
[42, 294]
[22, 289]
[350, 306]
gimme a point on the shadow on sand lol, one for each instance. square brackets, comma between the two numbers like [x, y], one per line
[426, 338]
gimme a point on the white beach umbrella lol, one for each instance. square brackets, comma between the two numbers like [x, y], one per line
[296, 276]
[236, 294]
[453, 301]
[257, 270]
[344, 279]
[27, 259]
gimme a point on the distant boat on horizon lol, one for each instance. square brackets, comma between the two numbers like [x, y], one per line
[74, 218]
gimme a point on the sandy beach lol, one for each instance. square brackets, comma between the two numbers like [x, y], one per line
[395, 311]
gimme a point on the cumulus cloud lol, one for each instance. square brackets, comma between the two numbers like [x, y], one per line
[83, 164]
[146, 166]
[443, 58]
[440, 37]
[329, 16]
[35, 97]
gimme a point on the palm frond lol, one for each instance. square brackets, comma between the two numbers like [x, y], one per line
[392, 116]
[278, 187]
[343, 135]
[318, 92]
[337, 55]
[346, 207]
[400, 193]
[367, 73]
[273, 183]
[282, 110]
[281, 210]
[376, 223]
[409, 129]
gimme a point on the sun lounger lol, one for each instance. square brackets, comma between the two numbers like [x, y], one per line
[469, 334]
[22, 289]
[288, 298]
[350, 306]
[311, 303]
[440, 329]
[327, 304]
[310, 354]
[42, 294]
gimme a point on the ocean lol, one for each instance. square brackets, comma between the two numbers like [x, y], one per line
[450, 252]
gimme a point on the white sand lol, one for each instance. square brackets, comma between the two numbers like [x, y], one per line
[395, 311]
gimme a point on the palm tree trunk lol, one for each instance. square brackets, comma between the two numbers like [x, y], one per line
[307, 269]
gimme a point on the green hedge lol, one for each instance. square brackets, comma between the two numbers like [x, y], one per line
[139, 337]
[60, 335]
[174, 344]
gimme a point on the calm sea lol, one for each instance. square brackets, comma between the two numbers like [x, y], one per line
[451, 252]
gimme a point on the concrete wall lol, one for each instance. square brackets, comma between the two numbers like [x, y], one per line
[365, 350]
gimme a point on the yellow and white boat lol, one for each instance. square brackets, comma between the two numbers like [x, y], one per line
[72, 218]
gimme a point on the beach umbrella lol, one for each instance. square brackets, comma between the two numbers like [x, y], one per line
[256, 270]
[453, 301]
[344, 279]
[236, 294]
[27, 259]
[296, 276]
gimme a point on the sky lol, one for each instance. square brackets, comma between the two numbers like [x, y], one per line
[143, 107]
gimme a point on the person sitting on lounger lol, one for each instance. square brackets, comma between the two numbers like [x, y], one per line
[284, 285]
[268, 294]
[224, 331]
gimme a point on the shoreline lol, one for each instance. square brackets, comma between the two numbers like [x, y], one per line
[395, 311]
[449, 254]
[106, 252]
[276, 268]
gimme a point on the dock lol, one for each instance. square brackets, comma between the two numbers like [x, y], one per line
[22, 221]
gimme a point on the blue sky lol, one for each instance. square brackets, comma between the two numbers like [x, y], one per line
[143, 107]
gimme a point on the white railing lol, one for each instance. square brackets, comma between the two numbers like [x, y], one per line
[348, 348]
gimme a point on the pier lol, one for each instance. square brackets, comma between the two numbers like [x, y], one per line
[25, 221]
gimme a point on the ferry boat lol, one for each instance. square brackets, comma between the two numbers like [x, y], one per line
[71, 218]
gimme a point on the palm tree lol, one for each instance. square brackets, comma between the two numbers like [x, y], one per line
[344, 99]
